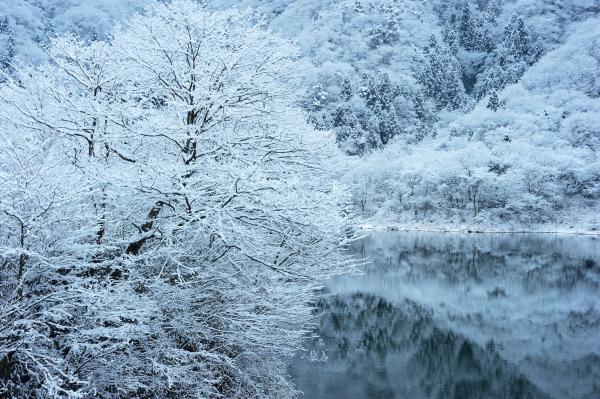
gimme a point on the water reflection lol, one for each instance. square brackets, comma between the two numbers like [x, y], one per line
[461, 316]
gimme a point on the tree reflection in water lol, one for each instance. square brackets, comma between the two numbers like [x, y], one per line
[455, 316]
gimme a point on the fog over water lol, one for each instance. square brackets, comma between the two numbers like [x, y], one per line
[462, 316]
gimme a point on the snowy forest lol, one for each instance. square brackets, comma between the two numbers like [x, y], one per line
[178, 178]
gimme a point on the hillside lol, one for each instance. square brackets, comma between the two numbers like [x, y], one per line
[457, 115]
[530, 162]
[454, 114]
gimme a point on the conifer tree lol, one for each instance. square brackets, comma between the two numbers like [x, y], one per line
[419, 106]
[378, 92]
[536, 52]
[319, 97]
[7, 44]
[452, 40]
[511, 59]
[516, 40]
[440, 75]
[387, 31]
[388, 127]
[346, 90]
[467, 29]
[339, 117]
[493, 102]
[492, 12]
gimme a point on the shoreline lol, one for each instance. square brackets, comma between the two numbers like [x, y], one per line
[366, 226]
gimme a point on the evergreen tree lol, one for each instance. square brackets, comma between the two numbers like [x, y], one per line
[452, 40]
[423, 116]
[346, 90]
[499, 76]
[440, 75]
[387, 31]
[484, 41]
[339, 117]
[492, 13]
[467, 29]
[517, 44]
[419, 106]
[473, 33]
[493, 102]
[319, 97]
[452, 20]
[536, 52]
[7, 44]
[360, 128]
[511, 59]
[378, 92]
[516, 39]
[388, 126]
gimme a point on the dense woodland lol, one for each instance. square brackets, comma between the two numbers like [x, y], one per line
[179, 177]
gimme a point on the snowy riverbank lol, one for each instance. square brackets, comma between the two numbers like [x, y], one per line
[476, 229]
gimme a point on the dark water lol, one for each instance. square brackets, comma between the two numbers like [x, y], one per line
[460, 316]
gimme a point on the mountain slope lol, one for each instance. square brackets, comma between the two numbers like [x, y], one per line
[531, 161]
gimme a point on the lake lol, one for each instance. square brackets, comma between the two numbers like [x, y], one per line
[444, 315]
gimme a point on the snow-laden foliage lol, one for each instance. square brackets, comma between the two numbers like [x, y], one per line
[27, 25]
[440, 75]
[166, 213]
[528, 157]
[364, 55]
[361, 56]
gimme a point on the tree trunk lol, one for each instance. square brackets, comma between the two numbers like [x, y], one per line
[189, 149]
[22, 258]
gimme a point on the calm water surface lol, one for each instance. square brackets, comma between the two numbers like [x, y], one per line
[460, 316]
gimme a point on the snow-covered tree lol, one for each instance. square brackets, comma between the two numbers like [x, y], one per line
[511, 59]
[7, 44]
[493, 102]
[387, 31]
[516, 39]
[346, 90]
[440, 75]
[452, 40]
[388, 127]
[319, 98]
[492, 12]
[196, 214]
[378, 92]
[467, 28]
[33, 22]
